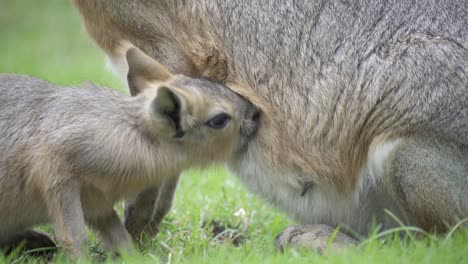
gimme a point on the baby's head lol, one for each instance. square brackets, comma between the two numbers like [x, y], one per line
[205, 118]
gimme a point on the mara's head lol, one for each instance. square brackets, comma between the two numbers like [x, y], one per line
[204, 118]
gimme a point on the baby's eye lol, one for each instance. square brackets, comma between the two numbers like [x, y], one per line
[219, 121]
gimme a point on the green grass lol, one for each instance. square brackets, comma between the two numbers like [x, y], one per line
[46, 39]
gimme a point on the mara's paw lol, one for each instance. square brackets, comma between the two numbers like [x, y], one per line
[141, 229]
[314, 237]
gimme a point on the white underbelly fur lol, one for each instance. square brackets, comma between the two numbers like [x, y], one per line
[324, 206]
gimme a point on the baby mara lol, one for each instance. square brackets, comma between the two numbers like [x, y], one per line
[68, 154]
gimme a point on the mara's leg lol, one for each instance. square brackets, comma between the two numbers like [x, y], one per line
[429, 178]
[146, 212]
[138, 212]
[67, 215]
[112, 232]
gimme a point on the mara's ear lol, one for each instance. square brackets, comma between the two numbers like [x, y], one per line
[170, 105]
[142, 70]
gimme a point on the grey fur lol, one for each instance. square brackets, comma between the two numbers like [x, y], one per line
[68, 154]
[353, 92]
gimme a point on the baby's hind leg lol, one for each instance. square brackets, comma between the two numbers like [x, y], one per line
[20, 213]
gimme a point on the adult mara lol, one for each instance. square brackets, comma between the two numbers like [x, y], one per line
[364, 103]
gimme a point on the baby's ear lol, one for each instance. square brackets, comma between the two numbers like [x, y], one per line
[170, 105]
[142, 70]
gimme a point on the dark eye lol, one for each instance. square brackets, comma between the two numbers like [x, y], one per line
[218, 121]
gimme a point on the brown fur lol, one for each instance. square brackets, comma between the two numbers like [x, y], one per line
[343, 88]
[202, 58]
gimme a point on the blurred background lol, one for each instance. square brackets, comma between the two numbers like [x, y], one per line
[46, 39]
